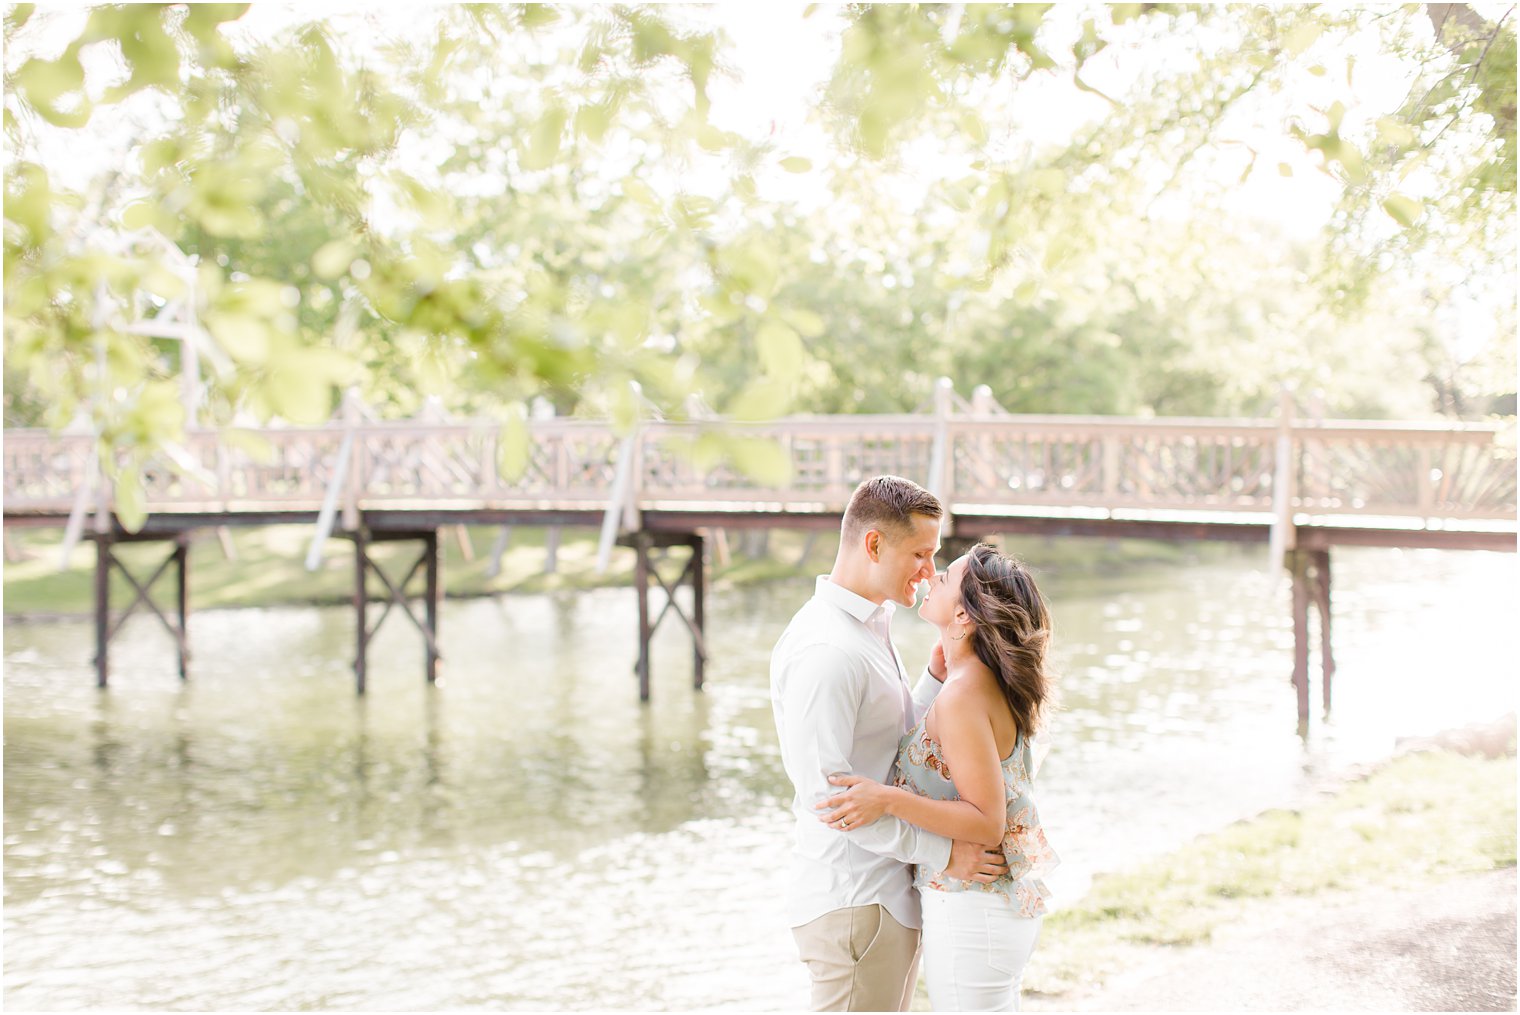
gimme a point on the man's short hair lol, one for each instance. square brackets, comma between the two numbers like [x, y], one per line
[888, 504]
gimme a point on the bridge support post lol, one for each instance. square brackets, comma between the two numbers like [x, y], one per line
[1311, 585]
[182, 602]
[106, 628]
[361, 610]
[1321, 592]
[1298, 566]
[365, 565]
[102, 610]
[434, 591]
[644, 545]
[698, 568]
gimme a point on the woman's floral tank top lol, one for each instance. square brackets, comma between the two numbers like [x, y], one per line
[921, 769]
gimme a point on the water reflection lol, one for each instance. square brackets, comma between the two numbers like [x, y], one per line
[261, 838]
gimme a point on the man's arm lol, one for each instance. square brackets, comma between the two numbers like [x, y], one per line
[821, 696]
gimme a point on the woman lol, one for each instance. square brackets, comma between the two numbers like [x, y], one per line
[994, 631]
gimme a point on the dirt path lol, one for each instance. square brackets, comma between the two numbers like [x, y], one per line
[1446, 946]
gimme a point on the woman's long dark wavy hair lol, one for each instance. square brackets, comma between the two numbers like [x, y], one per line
[1012, 630]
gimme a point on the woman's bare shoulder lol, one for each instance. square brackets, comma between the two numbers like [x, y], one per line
[969, 695]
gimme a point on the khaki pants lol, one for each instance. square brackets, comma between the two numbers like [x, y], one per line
[860, 959]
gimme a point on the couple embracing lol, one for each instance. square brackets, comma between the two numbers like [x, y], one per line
[915, 820]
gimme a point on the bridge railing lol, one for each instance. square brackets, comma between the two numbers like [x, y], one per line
[1456, 471]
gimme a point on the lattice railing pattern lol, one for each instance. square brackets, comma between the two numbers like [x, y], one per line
[1145, 464]
[1433, 474]
[1456, 472]
[42, 468]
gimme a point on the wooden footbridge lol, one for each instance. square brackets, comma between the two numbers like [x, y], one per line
[1303, 485]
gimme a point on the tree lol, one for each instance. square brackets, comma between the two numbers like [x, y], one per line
[496, 204]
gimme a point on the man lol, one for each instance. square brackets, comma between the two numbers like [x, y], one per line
[842, 702]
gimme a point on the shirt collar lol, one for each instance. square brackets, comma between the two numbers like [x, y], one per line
[859, 607]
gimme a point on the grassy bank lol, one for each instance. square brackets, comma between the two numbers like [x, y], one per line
[1422, 817]
[267, 564]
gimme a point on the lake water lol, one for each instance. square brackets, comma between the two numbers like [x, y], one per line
[528, 836]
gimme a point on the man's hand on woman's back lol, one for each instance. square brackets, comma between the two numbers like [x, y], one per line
[970, 861]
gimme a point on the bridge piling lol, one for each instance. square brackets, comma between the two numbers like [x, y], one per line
[1310, 571]
[644, 543]
[106, 628]
[1298, 567]
[102, 611]
[1321, 559]
[361, 610]
[364, 565]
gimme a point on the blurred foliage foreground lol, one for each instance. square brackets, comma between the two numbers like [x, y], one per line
[518, 207]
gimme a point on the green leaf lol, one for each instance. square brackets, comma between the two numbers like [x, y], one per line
[1396, 132]
[1049, 181]
[45, 81]
[243, 337]
[512, 446]
[18, 15]
[32, 207]
[1302, 35]
[592, 121]
[1336, 114]
[1351, 161]
[1406, 211]
[640, 192]
[763, 460]
[203, 20]
[809, 324]
[721, 307]
[1283, 169]
[332, 259]
[224, 200]
[1124, 12]
[158, 411]
[544, 140]
[707, 451]
[713, 139]
[761, 399]
[160, 154]
[251, 443]
[162, 282]
[780, 350]
[750, 266]
[300, 383]
[131, 502]
[796, 164]
[973, 127]
[537, 15]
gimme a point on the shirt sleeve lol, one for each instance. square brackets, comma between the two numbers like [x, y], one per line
[924, 693]
[821, 696]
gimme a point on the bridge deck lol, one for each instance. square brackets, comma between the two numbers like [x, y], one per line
[1396, 484]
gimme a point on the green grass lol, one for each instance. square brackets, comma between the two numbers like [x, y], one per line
[1422, 817]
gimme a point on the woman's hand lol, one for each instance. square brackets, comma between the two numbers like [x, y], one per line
[863, 801]
[937, 668]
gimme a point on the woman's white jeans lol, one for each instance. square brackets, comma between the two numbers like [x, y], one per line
[975, 949]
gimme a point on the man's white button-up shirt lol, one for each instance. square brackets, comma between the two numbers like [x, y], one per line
[842, 704]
